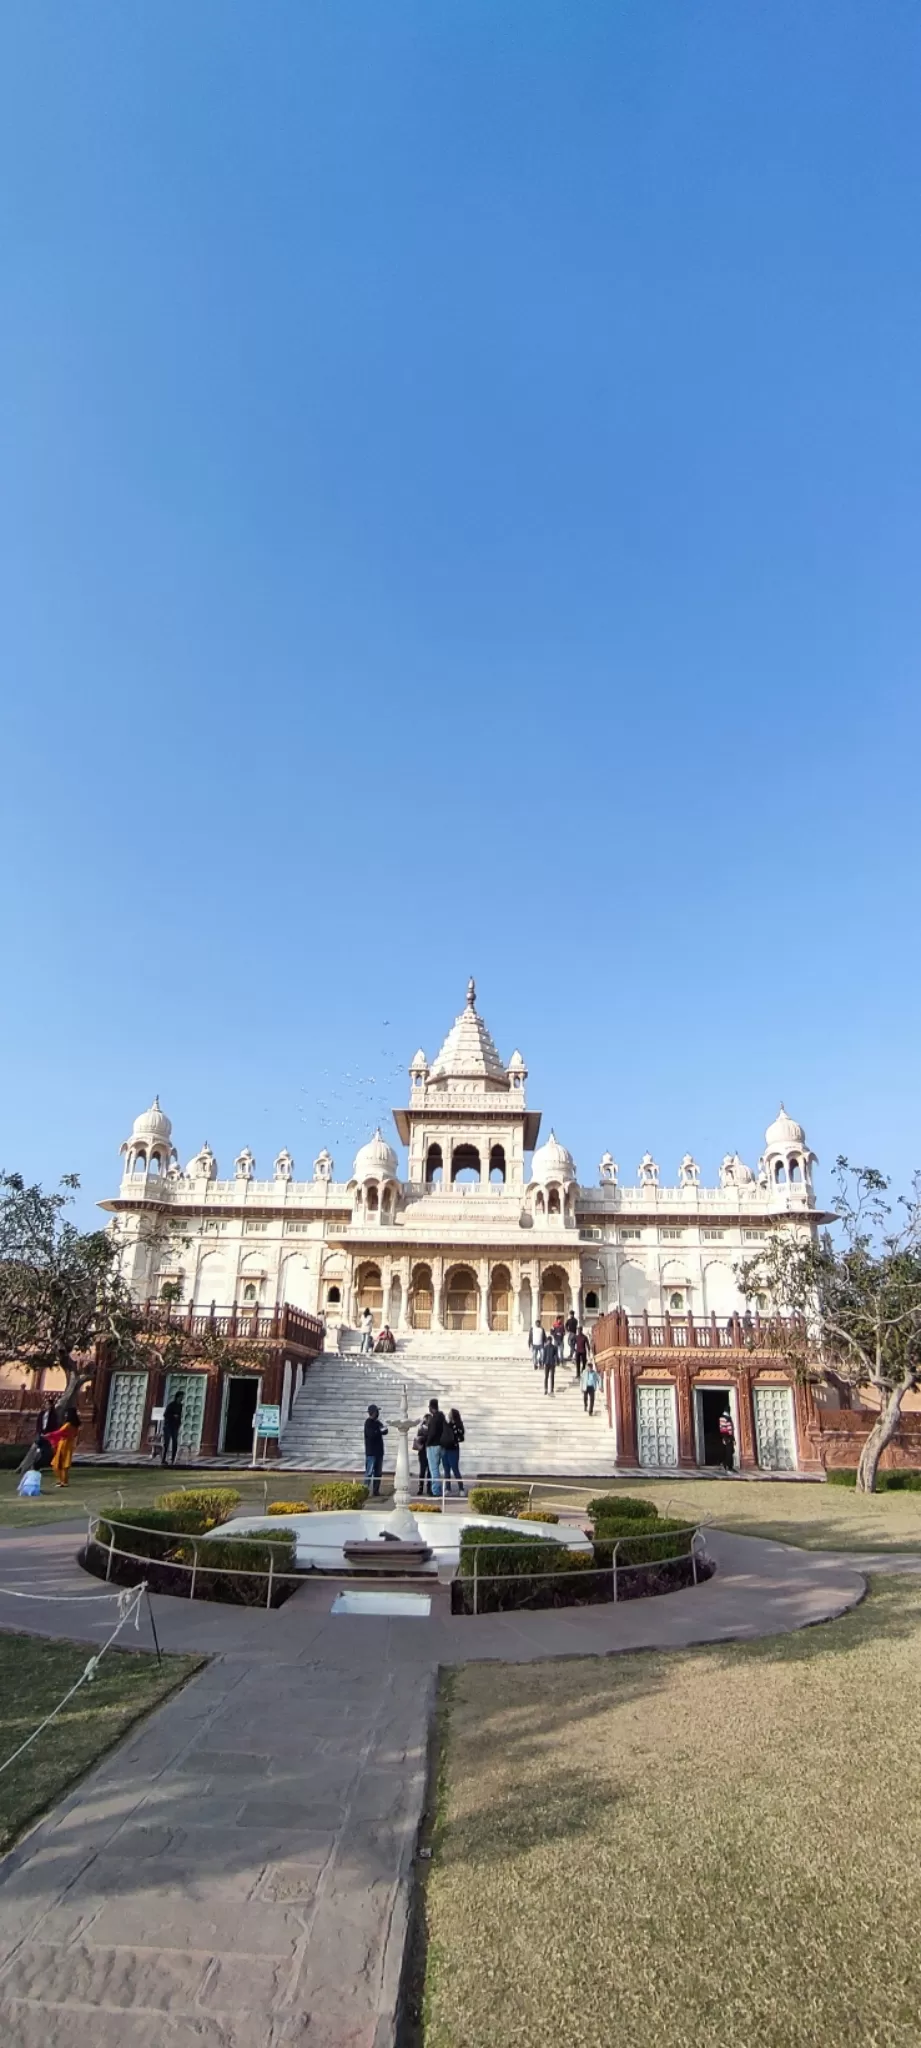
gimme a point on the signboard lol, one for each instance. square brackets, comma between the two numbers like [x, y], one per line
[267, 1420]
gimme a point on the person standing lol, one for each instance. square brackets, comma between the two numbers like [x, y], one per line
[589, 1383]
[728, 1440]
[375, 1432]
[367, 1331]
[572, 1331]
[419, 1446]
[434, 1433]
[47, 1420]
[558, 1334]
[172, 1423]
[64, 1441]
[451, 1442]
[537, 1344]
[582, 1352]
[549, 1359]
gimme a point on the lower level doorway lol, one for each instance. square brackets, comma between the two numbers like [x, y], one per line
[241, 1392]
[711, 1403]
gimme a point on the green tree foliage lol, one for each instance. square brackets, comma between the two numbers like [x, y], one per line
[849, 1303]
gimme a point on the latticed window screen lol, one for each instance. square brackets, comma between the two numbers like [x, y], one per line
[774, 1429]
[125, 1417]
[656, 1426]
[192, 1386]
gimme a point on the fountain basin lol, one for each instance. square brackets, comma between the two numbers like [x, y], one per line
[320, 1540]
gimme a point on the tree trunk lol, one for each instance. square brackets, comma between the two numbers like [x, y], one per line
[880, 1435]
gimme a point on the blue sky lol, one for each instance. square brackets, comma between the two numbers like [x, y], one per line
[460, 513]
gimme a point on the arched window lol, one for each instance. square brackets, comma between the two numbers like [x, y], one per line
[371, 1293]
[421, 1298]
[795, 1170]
[465, 1164]
[434, 1164]
[140, 1162]
[462, 1297]
[497, 1163]
[500, 1298]
[553, 1295]
[539, 1203]
[591, 1301]
[371, 1200]
[250, 1291]
[553, 1202]
[676, 1301]
[334, 1295]
[780, 1171]
[154, 1163]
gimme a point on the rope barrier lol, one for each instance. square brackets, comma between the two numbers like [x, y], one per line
[130, 1605]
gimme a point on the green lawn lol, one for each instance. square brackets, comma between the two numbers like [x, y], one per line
[98, 1486]
[816, 1517]
[694, 1850]
[34, 1675]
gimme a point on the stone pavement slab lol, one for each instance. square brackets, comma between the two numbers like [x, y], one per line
[237, 1875]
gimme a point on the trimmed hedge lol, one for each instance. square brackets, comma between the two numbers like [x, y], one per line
[621, 1507]
[498, 1500]
[534, 1515]
[289, 1507]
[671, 1537]
[215, 1504]
[340, 1493]
[159, 1539]
[242, 1556]
[886, 1482]
[515, 1569]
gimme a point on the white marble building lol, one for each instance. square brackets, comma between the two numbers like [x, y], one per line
[470, 1236]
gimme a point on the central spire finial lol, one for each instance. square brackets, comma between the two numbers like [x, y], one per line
[471, 994]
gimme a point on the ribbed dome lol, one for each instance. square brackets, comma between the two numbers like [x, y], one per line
[783, 1131]
[551, 1161]
[376, 1160]
[152, 1123]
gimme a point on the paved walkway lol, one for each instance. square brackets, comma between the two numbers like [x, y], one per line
[238, 1874]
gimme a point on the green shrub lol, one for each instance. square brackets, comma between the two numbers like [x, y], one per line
[149, 1532]
[239, 1573]
[621, 1507]
[288, 1507]
[671, 1537]
[842, 1477]
[339, 1493]
[215, 1503]
[899, 1482]
[535, 1515]
[498, 1500]
[514, 1570]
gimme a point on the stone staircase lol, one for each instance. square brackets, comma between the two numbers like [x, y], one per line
[511, 1426]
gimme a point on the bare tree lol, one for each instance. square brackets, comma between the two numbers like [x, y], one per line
[849, 1305]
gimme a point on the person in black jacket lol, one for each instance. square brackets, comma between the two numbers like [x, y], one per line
[375, 1432]
[452, 1438]
[425, 1484]
[434, 1432]
[172, 1423]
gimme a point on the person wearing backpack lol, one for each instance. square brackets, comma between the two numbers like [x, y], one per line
[451, 1441]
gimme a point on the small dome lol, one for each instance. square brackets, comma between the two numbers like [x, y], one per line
[782, 1132]
[376, 1160]
[418, 1063]
[152, 1123]
[516, 1063]
[551, 1161]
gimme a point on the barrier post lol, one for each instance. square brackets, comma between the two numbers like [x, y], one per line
[111, 1549]
[194, 1572]
[268, 1597]
[614, 1567]
[476, 1561]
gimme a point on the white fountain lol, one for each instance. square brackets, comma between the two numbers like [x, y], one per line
[400, 1522]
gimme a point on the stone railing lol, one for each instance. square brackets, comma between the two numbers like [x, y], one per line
[279, 1325]
[618, 1331]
